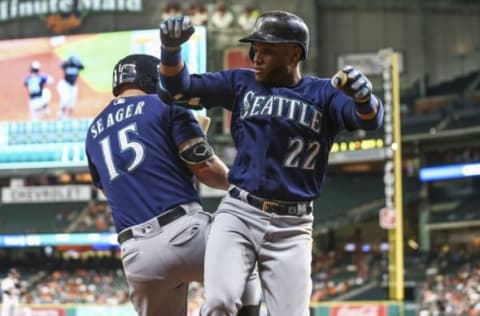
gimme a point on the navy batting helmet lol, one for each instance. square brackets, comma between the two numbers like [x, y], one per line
[139, 69]
[280, 27]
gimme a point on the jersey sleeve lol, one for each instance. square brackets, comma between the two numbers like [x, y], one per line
[212, 89]
[46, 79]
[184, 125]
[343, 112]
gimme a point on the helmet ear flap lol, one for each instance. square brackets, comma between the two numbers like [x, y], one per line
[147, 84]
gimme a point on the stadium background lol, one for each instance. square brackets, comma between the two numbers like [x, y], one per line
[439, 47]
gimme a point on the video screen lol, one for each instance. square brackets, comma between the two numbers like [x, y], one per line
[53, 87]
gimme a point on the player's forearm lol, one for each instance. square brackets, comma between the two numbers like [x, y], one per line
[213, 173]
[171, 63]
[170, 71]
[367, 116]
[173, 73]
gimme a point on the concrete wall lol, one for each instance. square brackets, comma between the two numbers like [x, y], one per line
[438, 44]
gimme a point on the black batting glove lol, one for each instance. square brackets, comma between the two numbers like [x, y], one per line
[353, 83]
[175, 31]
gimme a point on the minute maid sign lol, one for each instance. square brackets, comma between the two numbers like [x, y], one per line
[63, 15]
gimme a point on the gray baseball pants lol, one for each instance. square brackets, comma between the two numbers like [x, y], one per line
[243, 236]
[159, 262]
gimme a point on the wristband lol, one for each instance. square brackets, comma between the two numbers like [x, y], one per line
[368, 110]
[170, 57]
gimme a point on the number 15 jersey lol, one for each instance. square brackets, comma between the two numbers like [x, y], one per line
[132, 155]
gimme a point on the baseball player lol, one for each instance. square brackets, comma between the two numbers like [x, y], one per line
[283, 126]
[39, 94]
[67, 88]
[11, 293]
[144, 155]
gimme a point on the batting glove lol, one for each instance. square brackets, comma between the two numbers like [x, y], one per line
[353, 83]
[175, 31]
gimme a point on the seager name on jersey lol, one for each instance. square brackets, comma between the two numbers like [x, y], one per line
[116, 116]
[275, 105]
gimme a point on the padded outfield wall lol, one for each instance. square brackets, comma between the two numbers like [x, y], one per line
[373, 308]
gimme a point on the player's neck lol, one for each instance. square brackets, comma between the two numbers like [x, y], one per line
[132, 93]
[296, 77]
[292, 79]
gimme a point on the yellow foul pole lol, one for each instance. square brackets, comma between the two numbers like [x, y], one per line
[395, 235]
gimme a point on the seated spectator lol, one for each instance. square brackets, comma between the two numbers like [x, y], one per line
[98, 219]
[198, 14]
[172, 9]
[222, 18]
[247, 18]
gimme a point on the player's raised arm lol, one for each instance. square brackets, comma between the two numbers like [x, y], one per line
[367, 112]
[173, 33]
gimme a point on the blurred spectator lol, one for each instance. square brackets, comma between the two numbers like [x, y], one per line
[247, 18]
[222, 18]
[198, 14]
[172, 9]
[455, 287]
[11, 293]
[335, 274]
[98, 219]
[81, 286]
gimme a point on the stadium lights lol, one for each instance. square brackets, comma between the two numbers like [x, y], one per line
[447, 172]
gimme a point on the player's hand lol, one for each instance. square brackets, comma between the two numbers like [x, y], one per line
[353, 83]
[175, 31]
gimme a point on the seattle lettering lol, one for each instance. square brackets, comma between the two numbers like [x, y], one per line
[278, 106]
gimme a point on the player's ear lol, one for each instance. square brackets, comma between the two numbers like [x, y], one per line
[295, 53]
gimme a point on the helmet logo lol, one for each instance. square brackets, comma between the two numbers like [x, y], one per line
[127, 73]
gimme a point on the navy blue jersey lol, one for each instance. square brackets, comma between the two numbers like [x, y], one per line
[133, 157]
[71, 70]
[35, 84]
[283, 135]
